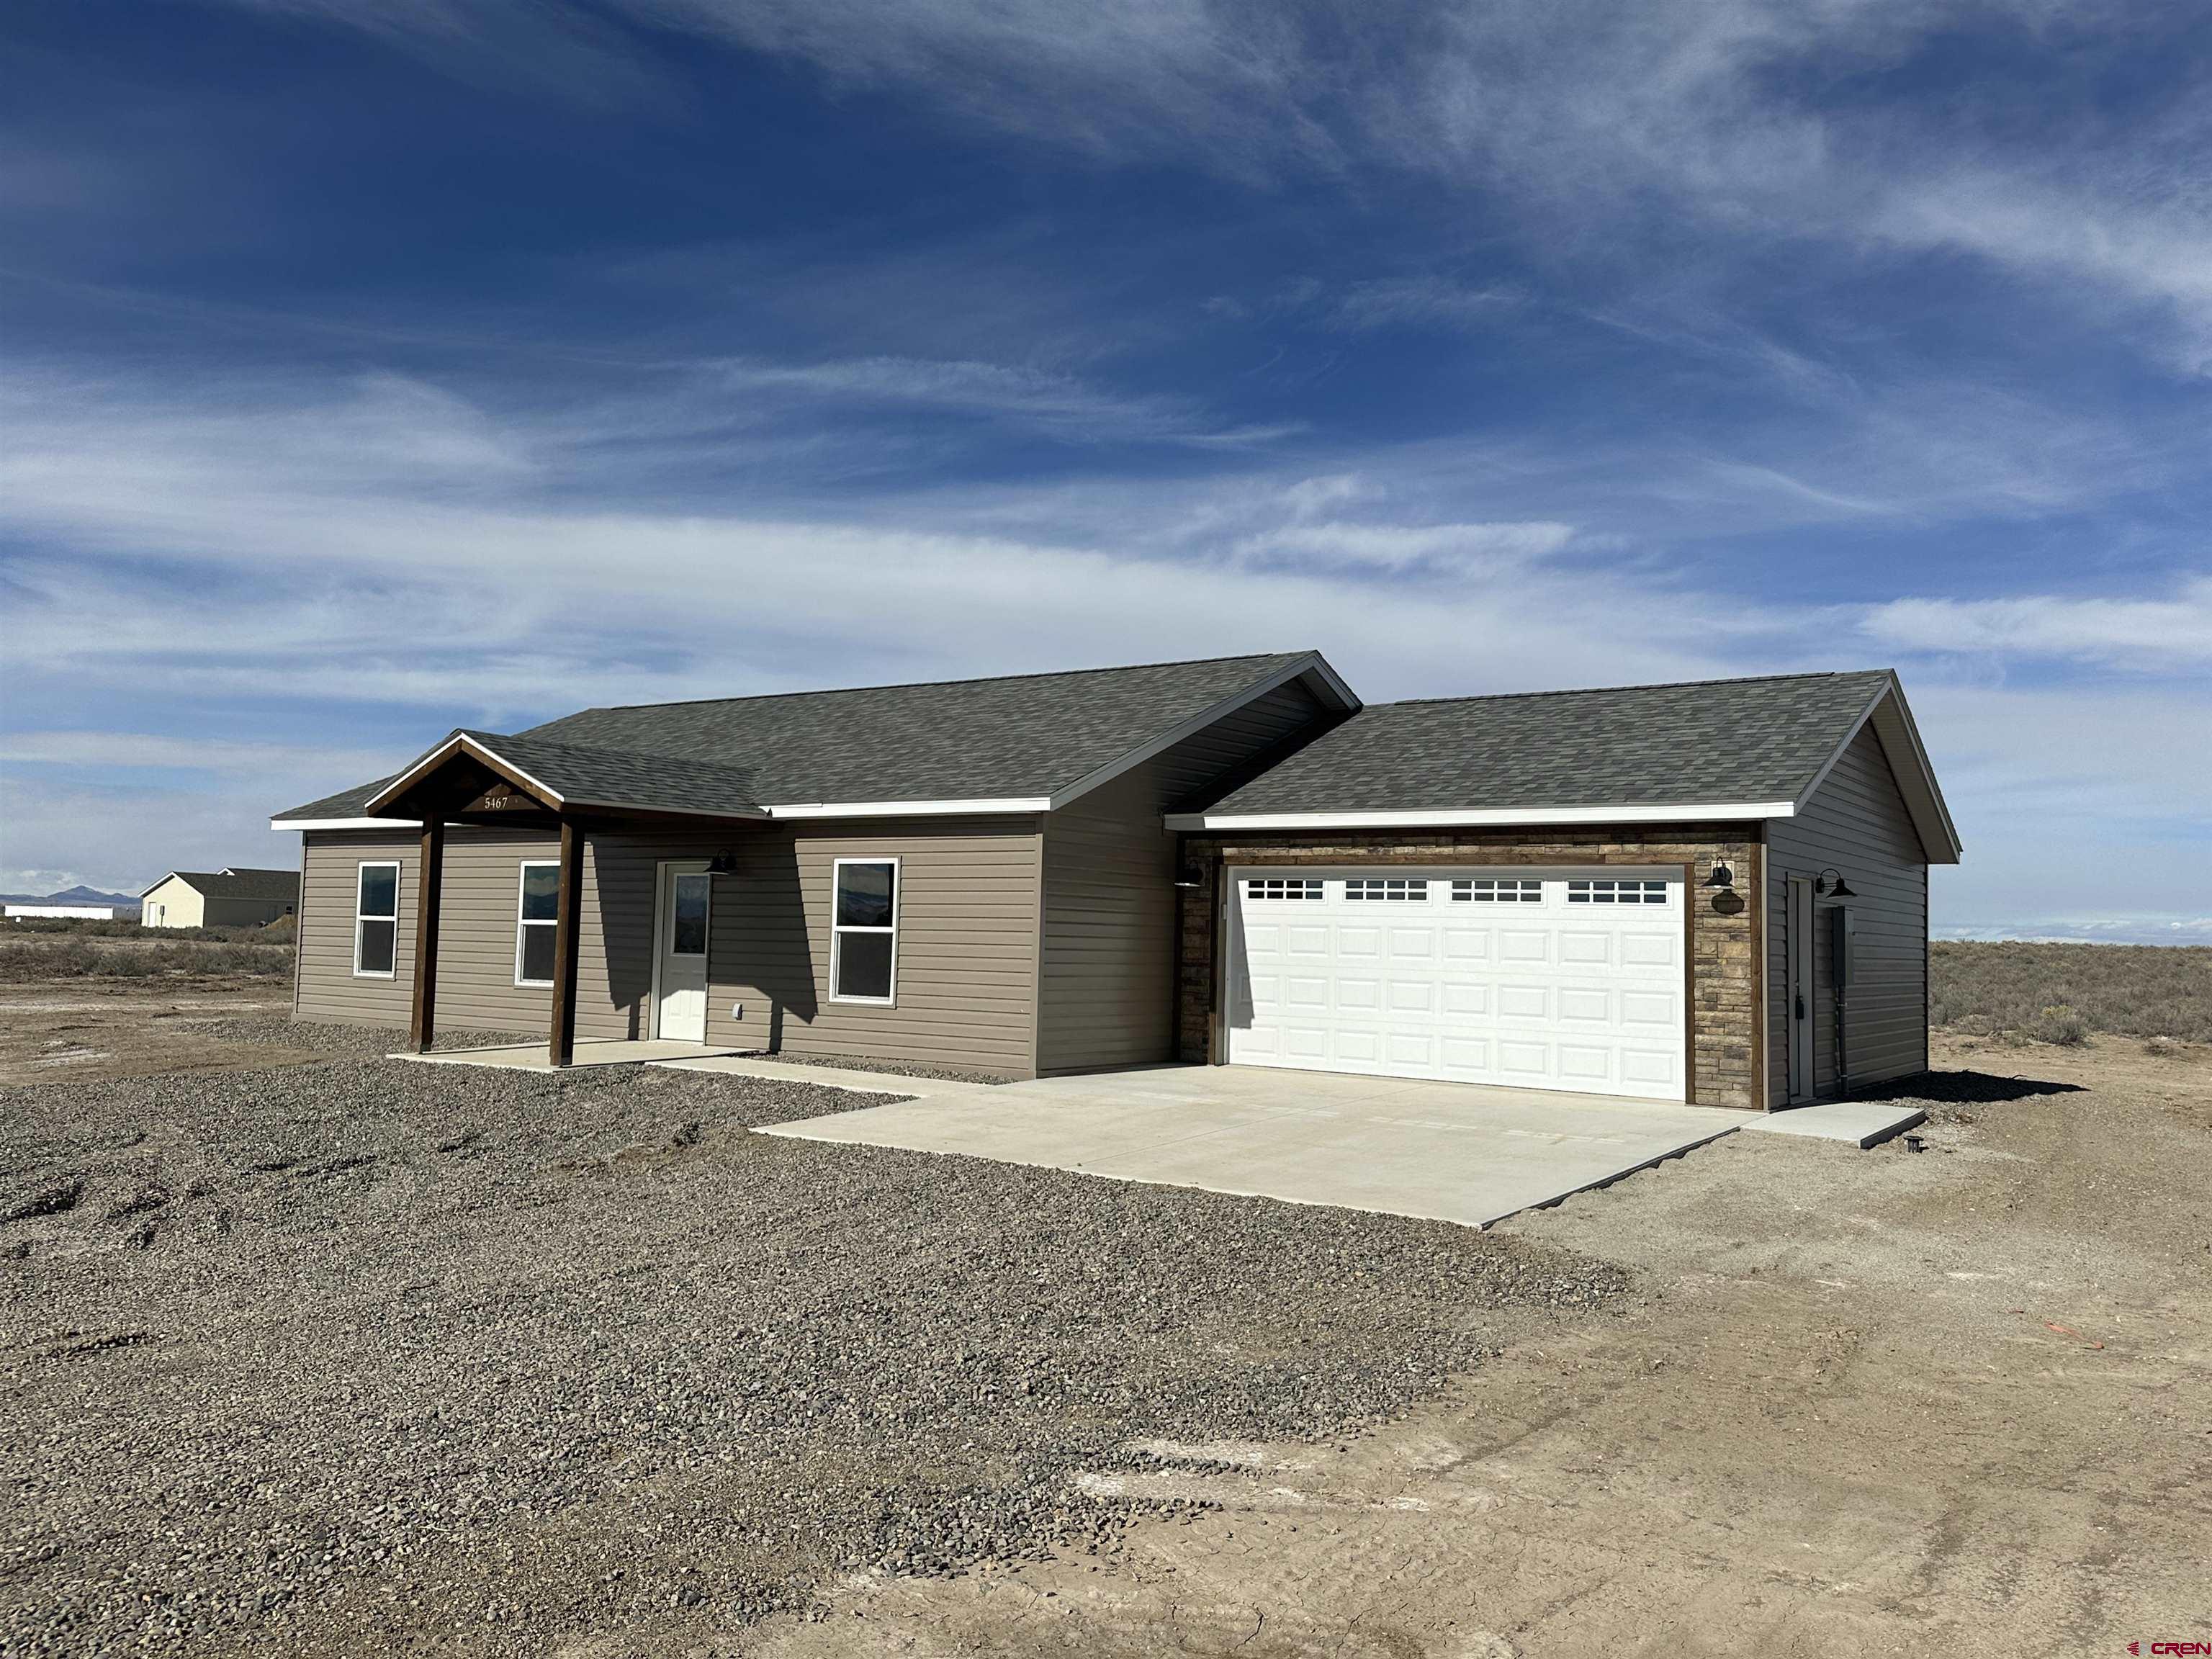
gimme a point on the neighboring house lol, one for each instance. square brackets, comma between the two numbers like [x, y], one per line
[1714, 892]
[67, 912]
[230, 898]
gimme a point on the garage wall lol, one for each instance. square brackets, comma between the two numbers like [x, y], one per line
[1724, 1046]
[1107, 994]
[1856, 824]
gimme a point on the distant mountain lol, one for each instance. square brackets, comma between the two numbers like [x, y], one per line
[74, 895]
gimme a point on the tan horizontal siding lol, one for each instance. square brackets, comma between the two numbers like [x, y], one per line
[967, 943]
[327, 989]
[1107, 991]
[1856, 824]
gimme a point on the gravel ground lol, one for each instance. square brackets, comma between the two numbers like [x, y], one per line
[371, 1358]
[353, 1041]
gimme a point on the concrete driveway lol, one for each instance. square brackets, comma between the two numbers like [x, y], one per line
[1448, 1150]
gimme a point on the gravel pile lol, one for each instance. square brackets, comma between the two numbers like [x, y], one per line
[367, 1358]
[355, 1041]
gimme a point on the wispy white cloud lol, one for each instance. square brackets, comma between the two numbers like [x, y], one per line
[1454, 550]
[2132, 634]
[236, 557]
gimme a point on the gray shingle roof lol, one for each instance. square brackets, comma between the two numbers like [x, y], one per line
[1018, 736]
[615, 777]
[275, 886]
[1744, 741]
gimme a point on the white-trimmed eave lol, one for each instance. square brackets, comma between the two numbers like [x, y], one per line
[789, 809]
[1922, 795]
[901, 809]
[1311, 663]
[345, 823]
[1686, 812]
[458, 741]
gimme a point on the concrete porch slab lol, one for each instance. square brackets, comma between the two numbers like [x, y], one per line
[1860, 1123]
[535, 1056]
[731, 1063]
[1445, 1151]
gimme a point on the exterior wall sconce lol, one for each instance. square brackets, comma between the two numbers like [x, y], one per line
[1721, 878]
[724, 863]
[1190, 875]
[1829, 884]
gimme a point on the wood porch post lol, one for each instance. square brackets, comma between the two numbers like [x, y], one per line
[429, 880]
[562, 1048]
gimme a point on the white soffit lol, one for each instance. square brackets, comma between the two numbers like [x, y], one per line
[1693, 812]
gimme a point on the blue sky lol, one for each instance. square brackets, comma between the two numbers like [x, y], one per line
[371, 369]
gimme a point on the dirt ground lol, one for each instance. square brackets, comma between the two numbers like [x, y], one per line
[1892, 1401]
[1889, 1402]
[79, 1029]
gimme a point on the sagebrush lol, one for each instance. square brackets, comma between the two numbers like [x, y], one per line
[2062, 993]
[83, 958]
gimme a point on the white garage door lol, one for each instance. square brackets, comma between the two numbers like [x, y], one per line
[1537, 979]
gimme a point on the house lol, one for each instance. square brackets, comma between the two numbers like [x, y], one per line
[229, 897]
[1714, 892]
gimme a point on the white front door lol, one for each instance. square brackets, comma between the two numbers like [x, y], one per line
[681, 928]
[1544, 978]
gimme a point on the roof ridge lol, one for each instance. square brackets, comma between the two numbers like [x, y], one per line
[1650, 685]
[971, 679]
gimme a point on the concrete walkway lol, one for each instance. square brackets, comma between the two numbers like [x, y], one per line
[1860, 1123]
[1448, 1151]
[536, 1056]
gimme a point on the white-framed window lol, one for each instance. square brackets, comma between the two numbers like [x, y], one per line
[1616, 892]
[1483, 891]
[1388, 888]
[1276, 887]
[864, 931]
[375, 919]
[537, 920]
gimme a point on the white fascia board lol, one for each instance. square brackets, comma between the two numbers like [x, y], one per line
[1311, 663]
[1695, 812]
[345, 823]
[901, 809]
[1929, 810]
[749, 814]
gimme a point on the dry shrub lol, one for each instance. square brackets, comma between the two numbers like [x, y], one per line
[2025, 989]
[2061, 1025]
[77, 959]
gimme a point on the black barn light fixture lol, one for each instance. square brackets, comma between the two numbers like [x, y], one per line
[1721, 878]
[724, 863]
[1830, 883]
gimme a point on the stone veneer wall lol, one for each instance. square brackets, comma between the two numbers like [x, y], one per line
[1724, 1048]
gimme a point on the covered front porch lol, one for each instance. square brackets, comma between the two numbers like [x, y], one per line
[553, 797]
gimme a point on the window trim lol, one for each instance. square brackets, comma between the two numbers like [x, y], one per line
[838, 930]
[360, 916]
[521, 888]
